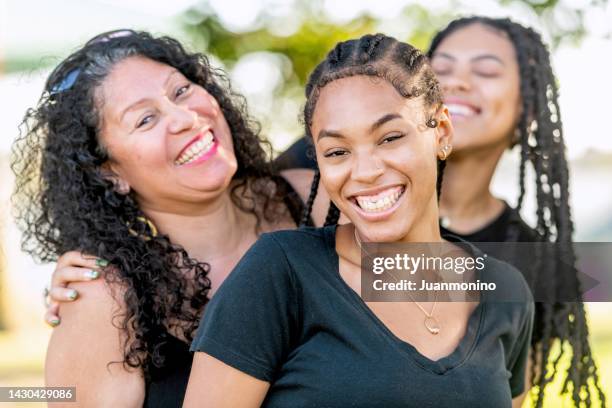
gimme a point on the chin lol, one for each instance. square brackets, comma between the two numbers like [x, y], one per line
[384, 232]
[218, 178]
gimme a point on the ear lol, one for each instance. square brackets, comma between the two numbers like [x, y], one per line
[110, 173]
[444, 133]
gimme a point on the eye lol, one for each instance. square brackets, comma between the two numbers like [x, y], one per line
[335, 153]
[441, 68]
[487, 69]
[485, 74]
[441, 71]
[182, 90]
[391, 138]
[144, 121]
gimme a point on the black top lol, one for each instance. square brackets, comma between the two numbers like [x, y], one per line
[507, 227]
[299, 326]
[168, 383]
[299, 155]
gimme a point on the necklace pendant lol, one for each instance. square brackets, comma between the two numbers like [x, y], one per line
[431, 323]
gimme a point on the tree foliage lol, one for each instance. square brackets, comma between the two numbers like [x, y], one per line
[315, 33]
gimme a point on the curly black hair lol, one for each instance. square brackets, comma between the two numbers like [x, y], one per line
[63, 201]
[540, 139]
[380, 56]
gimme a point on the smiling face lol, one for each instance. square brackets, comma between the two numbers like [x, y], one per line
[478, 72]
[166, 136]
[378, 159]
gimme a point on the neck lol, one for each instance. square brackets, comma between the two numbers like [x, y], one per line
[427, 227]
[208, 233]
[466, 193]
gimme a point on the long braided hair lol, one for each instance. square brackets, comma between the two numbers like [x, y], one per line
[540, 140]
[381, 56]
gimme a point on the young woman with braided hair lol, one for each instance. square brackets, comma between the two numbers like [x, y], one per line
[501, 92]
[301, 334]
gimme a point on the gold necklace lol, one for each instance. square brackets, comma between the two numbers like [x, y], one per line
[430, 322]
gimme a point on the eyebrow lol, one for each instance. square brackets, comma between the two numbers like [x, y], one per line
[474, 59]
[142, 100]
[329, 133]
[379, 122]
[387, 118]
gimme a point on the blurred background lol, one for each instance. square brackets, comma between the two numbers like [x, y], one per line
[268, 47]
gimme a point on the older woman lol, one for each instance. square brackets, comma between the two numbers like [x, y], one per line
[139, 154]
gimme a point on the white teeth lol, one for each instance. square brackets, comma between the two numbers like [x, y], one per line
[208, 138]
[380, 202]
[462, 110]
[197, 150]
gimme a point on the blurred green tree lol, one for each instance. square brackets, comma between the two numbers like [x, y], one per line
[301, 34]
[315, 33]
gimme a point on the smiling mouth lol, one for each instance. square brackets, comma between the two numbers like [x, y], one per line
[380, 202]
[460, 110]
[196, 149]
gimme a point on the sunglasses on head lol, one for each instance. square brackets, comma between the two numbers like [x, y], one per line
[70, 78]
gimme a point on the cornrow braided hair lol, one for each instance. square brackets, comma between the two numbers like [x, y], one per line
[540, 139]
[333, 215]
[306, 219]
[380, 56]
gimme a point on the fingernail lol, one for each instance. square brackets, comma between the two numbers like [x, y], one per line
[92, 274]
[73, 294]
[54, 322]
[101, 262]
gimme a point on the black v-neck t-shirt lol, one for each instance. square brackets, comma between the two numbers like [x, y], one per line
[286, 316]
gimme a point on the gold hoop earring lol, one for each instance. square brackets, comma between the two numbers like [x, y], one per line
[150, 226]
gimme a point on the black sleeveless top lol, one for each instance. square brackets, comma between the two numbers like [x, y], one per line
[168, 384]
[507, 227]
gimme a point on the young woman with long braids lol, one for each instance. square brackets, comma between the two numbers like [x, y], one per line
[499, 87]
[498, 83]
[139, 153]
[301, 335]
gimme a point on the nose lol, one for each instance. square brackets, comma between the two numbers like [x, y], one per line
[455, 82]
[367, 167]
[180, 118]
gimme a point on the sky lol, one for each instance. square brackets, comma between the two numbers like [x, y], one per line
[52, 28]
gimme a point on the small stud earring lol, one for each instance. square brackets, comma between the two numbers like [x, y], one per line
[122, 187]
[432, 123]
[445, 152]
